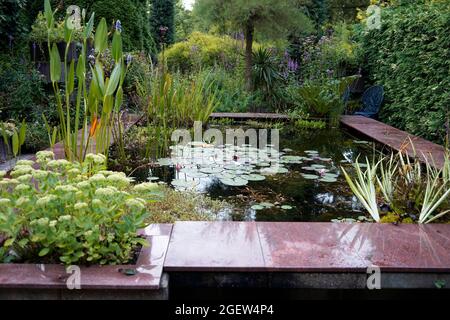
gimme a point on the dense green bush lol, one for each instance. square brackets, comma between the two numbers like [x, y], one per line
[133, 15]
[21, 88]
[203, 51]
[410, 57]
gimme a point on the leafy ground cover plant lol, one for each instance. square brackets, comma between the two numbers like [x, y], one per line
[71, 212]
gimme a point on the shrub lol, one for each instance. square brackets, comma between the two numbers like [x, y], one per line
[336, 53]
[409, 56]
[230, 95]
[203, 51]
[132, 13]
[70, 212]
[21, 88]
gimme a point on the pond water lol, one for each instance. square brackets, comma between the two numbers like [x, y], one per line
[302, 181]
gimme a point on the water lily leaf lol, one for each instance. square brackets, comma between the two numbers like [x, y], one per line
[237, 182]
[286, 207]
[328, 179]
[184, 184]
[318, 166]
[267, 204]
[310, 176]
[255, 177]
[257, 207]
[211, 170]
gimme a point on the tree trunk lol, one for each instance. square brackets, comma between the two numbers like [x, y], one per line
[249, 30]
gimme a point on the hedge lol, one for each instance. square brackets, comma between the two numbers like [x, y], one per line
[410, 57]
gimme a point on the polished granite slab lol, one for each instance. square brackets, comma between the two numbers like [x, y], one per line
[397, 139]
[307, 247]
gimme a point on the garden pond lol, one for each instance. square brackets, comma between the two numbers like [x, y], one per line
[302, 181]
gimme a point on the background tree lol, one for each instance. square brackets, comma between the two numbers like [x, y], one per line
[183, 21]
[162, 21]
[272, 18]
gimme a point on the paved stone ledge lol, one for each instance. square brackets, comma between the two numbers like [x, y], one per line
[307, 247]
[397, 139]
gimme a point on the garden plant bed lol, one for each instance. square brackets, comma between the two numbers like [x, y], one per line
[144, 280]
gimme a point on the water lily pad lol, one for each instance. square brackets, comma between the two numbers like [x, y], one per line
[318, 166]
[254, 177]
[152, 178]
[361, 142]
[236, 182]
[287, 150]
[267, 204]
[184, 184]
[211, 170]
[257, 207]
[310, 176]
[328, 179]
[286, 207]
[309, 168]
[311, 151]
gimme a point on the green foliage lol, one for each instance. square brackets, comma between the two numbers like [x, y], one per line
[336, 53]
[265, 70]
[409, 57]
[324, 97]
[409, 192]
[201, 51]
[21, 89]
[12, 22]
[70, 212]
[101, 100]
[228, 86]
[273, 18]
[162, 21]
[310, 124]
[132, 14]
[40, 33]
[184, 206]
[184, 22]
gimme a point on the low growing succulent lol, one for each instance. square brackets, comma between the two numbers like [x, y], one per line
[54, 211]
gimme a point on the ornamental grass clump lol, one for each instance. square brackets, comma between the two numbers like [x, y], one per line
[54, 211]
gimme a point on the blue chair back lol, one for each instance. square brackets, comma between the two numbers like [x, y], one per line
[372, 99]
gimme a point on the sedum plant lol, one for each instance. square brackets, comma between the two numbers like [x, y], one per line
[76, 213]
